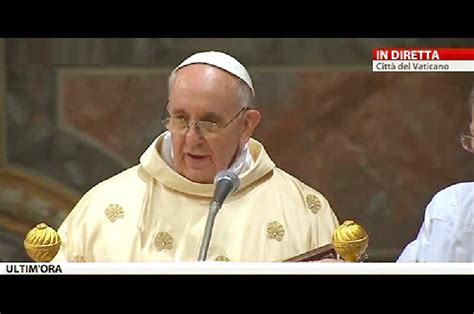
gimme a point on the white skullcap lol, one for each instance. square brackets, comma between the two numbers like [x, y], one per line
[222, 61]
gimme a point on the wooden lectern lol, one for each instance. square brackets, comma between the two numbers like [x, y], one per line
[323, 252]
[349, 243]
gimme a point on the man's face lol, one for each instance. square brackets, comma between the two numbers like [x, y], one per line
[205, 93]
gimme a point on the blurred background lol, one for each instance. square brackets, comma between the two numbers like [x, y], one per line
[74, 112]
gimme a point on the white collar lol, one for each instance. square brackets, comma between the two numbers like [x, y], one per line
[242, 163]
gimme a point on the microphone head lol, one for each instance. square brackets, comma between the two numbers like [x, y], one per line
[229, 176]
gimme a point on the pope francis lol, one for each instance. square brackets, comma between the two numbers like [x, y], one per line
[157, 210]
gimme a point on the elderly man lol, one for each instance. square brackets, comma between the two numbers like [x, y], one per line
[157, 210]
[447, 233]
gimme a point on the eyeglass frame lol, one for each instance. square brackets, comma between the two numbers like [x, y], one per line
[165, 120]
[468, 137]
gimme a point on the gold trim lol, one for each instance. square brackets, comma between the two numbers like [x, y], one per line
[43, 185]
[68, 195]
[14, 225]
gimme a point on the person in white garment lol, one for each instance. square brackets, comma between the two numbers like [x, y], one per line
[157, 210]
[447, 233]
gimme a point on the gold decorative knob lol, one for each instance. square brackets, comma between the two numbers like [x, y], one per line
[350, 241]
[42, 243]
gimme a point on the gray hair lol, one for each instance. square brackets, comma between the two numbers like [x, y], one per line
[243, 92]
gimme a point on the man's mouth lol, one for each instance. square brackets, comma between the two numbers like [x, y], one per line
[196, 156]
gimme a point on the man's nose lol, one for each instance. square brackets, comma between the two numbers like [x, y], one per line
[194, 134]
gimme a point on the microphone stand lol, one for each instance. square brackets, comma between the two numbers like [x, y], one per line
[213, 209]
[226, 182]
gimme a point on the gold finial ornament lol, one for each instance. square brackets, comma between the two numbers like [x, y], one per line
[350, 241]
[42, 243]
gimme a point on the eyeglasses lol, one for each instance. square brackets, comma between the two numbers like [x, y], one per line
[467, 143]
[180, 125]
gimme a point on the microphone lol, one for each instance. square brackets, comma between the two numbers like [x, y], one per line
[226, 183]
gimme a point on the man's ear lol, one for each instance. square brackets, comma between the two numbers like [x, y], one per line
[252, 119]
